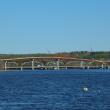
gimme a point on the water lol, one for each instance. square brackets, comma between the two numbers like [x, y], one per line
[55, 90]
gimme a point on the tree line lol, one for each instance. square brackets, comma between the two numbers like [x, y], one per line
[100, 55]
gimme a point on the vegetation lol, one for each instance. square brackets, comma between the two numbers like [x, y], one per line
[76, 54]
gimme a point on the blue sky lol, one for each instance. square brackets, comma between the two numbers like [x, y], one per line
[39, 26]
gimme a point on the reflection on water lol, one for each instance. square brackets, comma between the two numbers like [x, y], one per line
[55, 90]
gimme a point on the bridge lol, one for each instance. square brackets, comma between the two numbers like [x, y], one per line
[34, 63]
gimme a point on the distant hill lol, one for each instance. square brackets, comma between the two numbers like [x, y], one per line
[102, 55]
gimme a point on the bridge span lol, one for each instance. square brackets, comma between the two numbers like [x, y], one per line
[50, 63]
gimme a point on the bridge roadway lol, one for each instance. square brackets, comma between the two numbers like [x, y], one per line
[54, 58]
[22, 60]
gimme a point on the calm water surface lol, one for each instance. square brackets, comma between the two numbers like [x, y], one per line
[55, 90]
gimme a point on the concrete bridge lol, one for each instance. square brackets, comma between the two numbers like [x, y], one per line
[51, 63]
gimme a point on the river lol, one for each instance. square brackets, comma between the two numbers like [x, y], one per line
[55, 90]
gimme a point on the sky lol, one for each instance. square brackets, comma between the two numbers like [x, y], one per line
[49, 26]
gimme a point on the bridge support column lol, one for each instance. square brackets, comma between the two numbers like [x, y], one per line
[5, 65]
[102, 65]
[81, 64]
[87, 67]
[21, 68]
[58, 64]
[33, 64]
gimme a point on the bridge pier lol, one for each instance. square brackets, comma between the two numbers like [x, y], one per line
[81, 64]
[88, 67]
[102, 66]
[21, 68]
[58, 64]
[33, 64]
[66, 68]
[5, 65]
